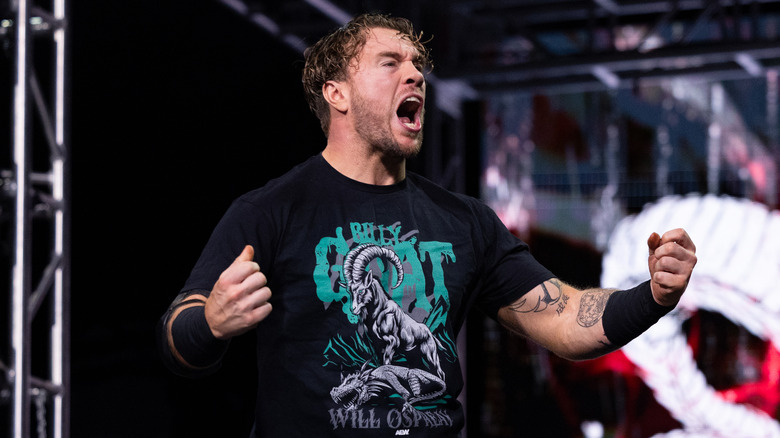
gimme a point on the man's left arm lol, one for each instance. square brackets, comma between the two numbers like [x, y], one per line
[583, 324]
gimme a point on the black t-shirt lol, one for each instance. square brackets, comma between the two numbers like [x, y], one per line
[371, 285]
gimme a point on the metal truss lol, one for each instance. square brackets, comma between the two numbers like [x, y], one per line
[36, 186]
[581, 45]
[504, 45]
[498, 46]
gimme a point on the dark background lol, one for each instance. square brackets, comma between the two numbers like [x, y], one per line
[177, 108]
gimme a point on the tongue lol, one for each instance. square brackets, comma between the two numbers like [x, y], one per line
[406, 112]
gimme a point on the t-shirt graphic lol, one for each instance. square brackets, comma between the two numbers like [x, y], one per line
[390, 286]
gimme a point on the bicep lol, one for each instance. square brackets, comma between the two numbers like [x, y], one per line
[537, 311]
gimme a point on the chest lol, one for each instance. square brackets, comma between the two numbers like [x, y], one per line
[357, 257]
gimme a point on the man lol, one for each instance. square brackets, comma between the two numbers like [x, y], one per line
[373, 270]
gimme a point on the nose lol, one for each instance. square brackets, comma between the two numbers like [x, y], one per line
[413, 74]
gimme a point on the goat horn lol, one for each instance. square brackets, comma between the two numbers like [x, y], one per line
[361, 256]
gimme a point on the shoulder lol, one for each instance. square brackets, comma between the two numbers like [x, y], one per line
[453, 201]
[289, 185]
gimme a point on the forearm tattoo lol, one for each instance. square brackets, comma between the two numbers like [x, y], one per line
[592, 306]
[550, 296]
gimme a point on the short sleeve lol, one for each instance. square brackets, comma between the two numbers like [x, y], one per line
[237, 228]
[508, 269]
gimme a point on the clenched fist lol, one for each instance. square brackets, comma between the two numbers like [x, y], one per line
[671, 261]
[239, 299]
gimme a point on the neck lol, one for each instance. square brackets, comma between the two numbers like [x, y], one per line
[368, 167]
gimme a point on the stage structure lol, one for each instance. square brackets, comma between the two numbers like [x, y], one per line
[35, 188]
[484, 49]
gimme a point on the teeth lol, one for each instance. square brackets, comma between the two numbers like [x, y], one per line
[408, 110]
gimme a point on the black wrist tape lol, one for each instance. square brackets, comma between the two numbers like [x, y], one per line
[194, 340]
[628, 313]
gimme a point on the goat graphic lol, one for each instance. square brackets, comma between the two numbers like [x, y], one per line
[392, 328]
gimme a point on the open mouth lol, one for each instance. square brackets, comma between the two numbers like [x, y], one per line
[409, 112]
[350, 402]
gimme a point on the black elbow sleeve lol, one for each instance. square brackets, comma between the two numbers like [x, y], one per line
[192, 339]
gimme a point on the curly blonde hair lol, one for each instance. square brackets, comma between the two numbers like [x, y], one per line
[329, 58]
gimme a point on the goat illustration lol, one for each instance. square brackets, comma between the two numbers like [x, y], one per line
[392, 327]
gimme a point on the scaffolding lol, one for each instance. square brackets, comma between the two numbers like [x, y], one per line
[36, 186]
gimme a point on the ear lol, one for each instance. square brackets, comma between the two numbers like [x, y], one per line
[336, 93]
[369, 278]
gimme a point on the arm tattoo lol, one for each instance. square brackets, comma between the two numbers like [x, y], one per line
[592, 307]
[549, 297]
[562, 304]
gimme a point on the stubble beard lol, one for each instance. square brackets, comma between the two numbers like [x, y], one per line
[369, 126]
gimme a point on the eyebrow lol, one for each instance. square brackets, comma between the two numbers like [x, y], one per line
[417, 58]
[391, 54]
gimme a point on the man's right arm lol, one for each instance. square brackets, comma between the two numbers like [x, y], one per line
[193, 334]
[186, 343]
